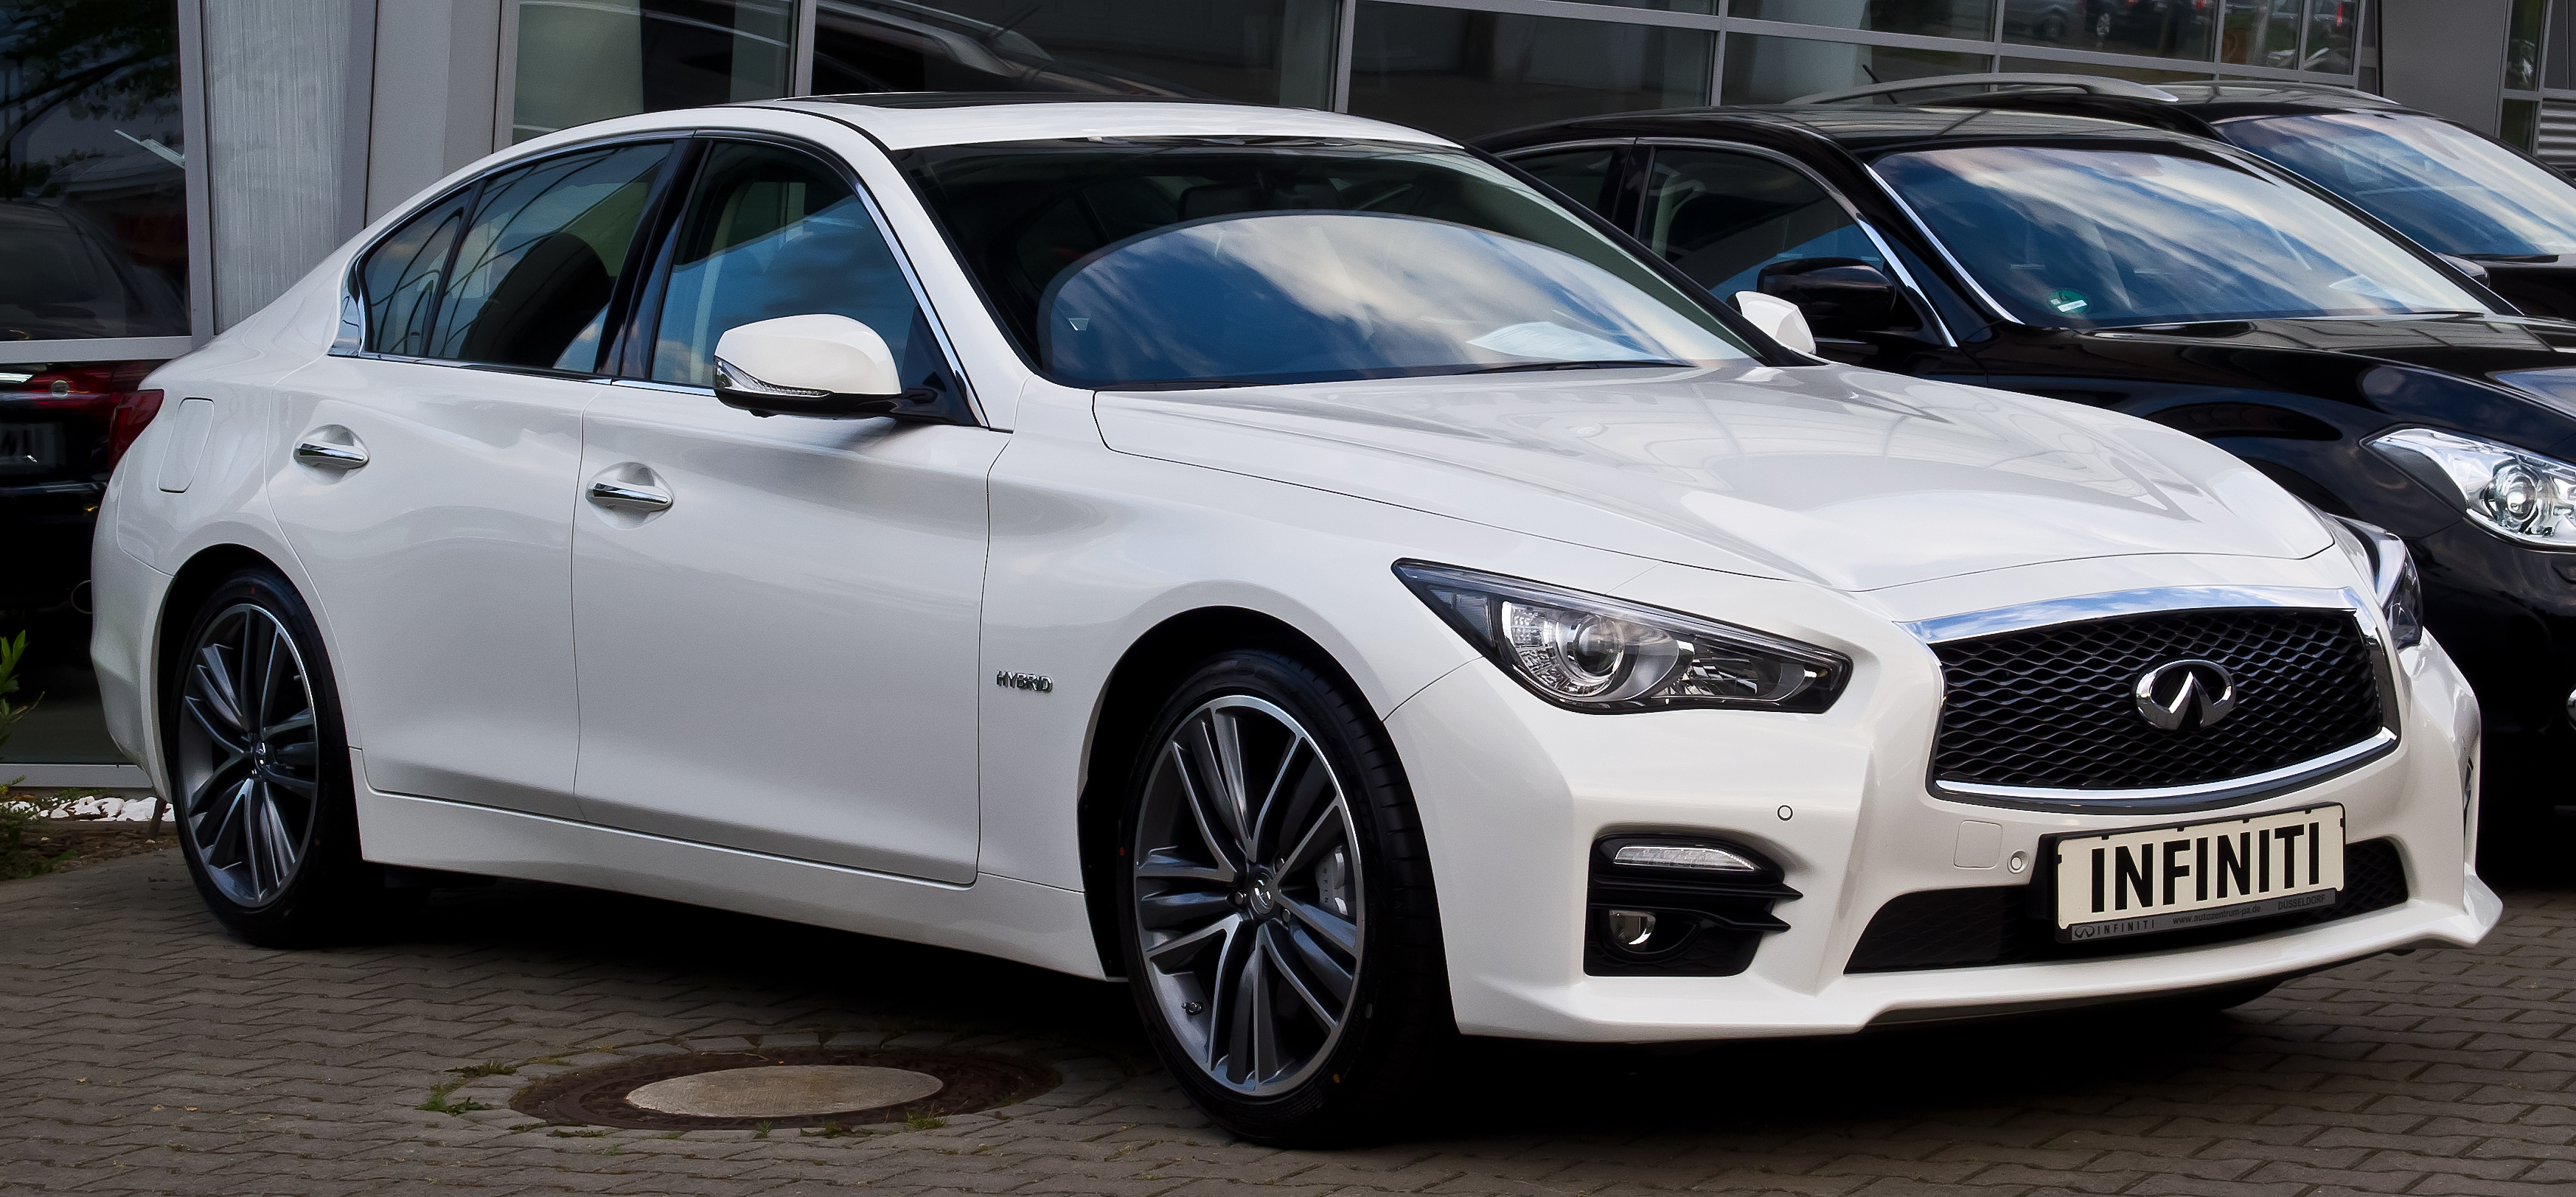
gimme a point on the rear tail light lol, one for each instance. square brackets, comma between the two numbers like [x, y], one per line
[103, 391]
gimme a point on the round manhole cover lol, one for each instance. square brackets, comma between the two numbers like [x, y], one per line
[784, 1087]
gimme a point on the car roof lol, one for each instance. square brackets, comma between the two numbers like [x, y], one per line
[910, 120]
[1856, 128]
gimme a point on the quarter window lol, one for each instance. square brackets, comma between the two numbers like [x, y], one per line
[1582, 174]
[771, 232]
[1722, 217]
[401, 277]
[537, 266]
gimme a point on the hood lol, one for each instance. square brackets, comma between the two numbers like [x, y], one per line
[1842, 477]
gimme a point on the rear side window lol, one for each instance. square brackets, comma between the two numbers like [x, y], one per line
[401, 278]
[537, 265]
[1722, 217]
[517, 270]
[771, 231]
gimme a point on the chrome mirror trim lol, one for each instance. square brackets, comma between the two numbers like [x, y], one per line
[2177, 798]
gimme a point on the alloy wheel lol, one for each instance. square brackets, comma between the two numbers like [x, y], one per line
[1247, 895]
[249, 755]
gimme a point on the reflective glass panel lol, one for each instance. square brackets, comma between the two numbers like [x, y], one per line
[2133, 74]
[1469, 73]
[1931, 18]
[2162, 28]
[93, 212]
[400, 279]
[2085, 238]
[1258, 51]
[1175, 262]
[2260, 33]
[2331, 25]
[586, 60]
[2522, 45]
[536, 266]
[1583, 175]
[1723, 217]
[2451, 190]
[771, 232]
[1773, 70]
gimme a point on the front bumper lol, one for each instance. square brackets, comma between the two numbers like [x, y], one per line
[1514, 792]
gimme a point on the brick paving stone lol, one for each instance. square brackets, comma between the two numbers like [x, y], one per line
[2439, 1072]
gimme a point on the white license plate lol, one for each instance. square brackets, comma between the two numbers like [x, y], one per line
[30, 448]
[2194, 874]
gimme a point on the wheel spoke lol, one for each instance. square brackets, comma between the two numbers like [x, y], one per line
[1320, 835]
[1261, 1017]
[1318, 963]
[1288, 972]
[1162, 865]
[276, 842]
[226, 739]
[1219, 838]
[1273, 816]
[1225, 737]
[1338, 932]
[1226, 998]
[215, 688]
[213, 822]
[301, 721]
[264, 684]
[1180, 950]
[1186, 909]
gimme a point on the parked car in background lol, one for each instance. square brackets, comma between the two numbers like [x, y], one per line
[1279, 558]
[2168, 276]
[2452, 189]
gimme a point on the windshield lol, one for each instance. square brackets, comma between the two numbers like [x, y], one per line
[1189, 262]
[2451, 190]
[2089, 238]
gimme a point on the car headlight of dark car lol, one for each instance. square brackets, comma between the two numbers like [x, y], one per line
[2514, 493]
[1590, 652]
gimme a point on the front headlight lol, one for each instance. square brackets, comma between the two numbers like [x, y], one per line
[1588, 652]
[2394, 582]
[2516, 494]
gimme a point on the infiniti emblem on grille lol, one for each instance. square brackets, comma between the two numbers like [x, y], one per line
[2174, 694]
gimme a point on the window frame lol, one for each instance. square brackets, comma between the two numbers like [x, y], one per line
[633, 314]
[631, 363]
[351, 340]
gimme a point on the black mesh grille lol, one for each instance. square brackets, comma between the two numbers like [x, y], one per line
[2056, 707]
[1964, 928]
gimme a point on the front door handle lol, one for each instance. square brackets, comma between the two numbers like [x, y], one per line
[331, 448]
[621, 496]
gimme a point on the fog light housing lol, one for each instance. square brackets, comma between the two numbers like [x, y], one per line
[1678, 906]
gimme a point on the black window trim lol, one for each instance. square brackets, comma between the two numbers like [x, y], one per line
[1913, 287]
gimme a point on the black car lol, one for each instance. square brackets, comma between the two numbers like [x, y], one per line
[2164, 275]
[2454, 190]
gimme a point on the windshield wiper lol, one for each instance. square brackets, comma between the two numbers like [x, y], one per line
[1607, 364]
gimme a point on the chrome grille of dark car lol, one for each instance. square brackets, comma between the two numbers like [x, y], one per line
[2056, 707]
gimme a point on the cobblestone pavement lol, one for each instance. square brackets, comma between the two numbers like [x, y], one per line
[146, 1052]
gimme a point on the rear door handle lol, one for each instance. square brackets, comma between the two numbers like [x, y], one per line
[331, 448]
[620, 496]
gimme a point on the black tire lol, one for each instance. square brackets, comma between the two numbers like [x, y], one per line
[1336, 1080]
[264, 805]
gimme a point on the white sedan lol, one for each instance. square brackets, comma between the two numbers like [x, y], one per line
[1281, 559]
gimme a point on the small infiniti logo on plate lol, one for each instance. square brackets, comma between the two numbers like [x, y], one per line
[2177, 694]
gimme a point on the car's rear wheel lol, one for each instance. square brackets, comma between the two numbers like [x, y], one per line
[261, 768]
[1276, 905]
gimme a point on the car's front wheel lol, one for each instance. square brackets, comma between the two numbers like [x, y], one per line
[1276, 905]
[261, 768]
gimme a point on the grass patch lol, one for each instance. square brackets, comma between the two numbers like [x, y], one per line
[438, 1102]
[486, 1068]
[920, 1118]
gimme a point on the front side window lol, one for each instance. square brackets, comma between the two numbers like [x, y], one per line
[771, 231]
[2451, 190]
[2081, 237]
[1585, 175]
[537, 265]
[1722, 217]
[1169, 262]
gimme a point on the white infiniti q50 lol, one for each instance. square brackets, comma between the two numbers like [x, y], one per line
[1278, 558]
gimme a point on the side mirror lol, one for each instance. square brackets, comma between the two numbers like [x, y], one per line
[822, 366]
[1840, 296]
[1778, 318]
